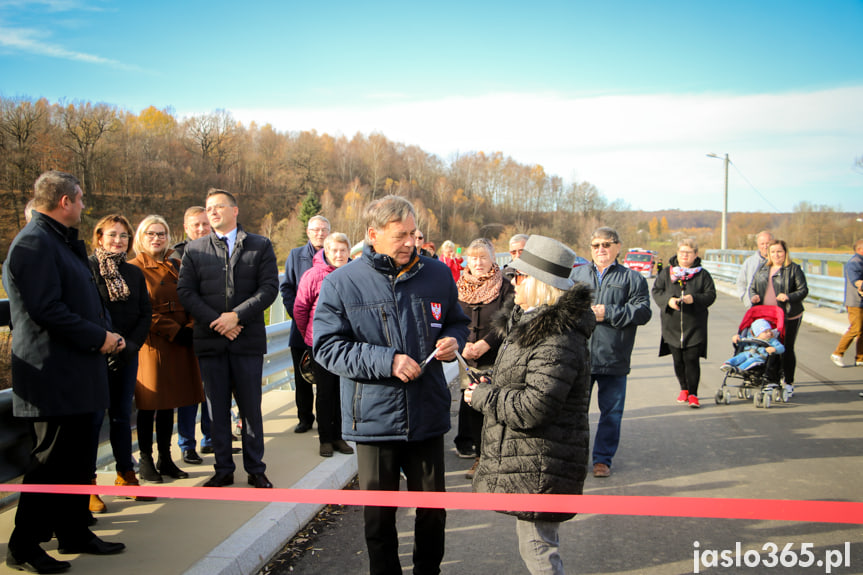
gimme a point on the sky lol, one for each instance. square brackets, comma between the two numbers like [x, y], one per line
[629, 96]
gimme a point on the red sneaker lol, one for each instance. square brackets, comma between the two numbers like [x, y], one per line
[693, 402]
[684, 395]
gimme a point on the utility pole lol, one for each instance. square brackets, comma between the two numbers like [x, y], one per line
[724, 241]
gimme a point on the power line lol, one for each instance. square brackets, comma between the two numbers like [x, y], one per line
[769, 203]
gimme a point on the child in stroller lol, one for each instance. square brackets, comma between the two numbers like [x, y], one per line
[759, 366]
[758, 341]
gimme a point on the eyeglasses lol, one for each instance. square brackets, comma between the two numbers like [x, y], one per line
[516, 252]
[115, 235]
[605, 245]
[518, 277]
[160, 235]
[319, 230]
[421, 237]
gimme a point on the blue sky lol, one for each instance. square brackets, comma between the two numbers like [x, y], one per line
[630, 96]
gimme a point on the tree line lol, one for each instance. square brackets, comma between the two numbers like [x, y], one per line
[155, 162]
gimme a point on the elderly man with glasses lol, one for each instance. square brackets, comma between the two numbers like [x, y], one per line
[299, 262]
[621, 304]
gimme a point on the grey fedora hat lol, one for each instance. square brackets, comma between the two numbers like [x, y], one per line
[547, 260]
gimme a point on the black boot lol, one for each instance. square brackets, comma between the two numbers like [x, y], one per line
[166, 467]
[147, 469]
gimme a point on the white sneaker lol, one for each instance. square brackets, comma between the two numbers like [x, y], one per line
[787, 392]
[837, 360]
[859, 364]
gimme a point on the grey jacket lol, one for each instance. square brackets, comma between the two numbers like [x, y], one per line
[744, 277]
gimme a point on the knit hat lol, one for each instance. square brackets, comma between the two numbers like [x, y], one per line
[547, 260]
[759, 326]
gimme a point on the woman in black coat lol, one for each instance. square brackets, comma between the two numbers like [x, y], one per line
[482, 292]
[124, 294]
[787, 289]
[683, 291]
[535, 432]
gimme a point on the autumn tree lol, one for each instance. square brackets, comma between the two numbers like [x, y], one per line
[85, 126]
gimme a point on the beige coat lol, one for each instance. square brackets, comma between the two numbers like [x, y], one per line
[168, 373]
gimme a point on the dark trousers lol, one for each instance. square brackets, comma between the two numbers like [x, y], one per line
[328, 405]
[379, 465]
[62, 454]
[469, 427]
[240, 375]
[164, 428]
[789, 359]
[121, 387]
[304, 393]
[687, 367]
[186, 417]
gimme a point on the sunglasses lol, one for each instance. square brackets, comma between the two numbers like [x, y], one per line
[605, 245]
[515, 252]
[518, 277]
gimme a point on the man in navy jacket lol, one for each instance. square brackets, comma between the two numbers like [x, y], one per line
[227, 280]
[621, 303]
[299, 262]
[59, 372]
[377, 319]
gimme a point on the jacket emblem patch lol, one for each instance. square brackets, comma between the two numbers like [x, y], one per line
[435, 309]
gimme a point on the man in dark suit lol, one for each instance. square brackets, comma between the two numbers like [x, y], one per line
[59, 373]
[227, 280]
[299, 262]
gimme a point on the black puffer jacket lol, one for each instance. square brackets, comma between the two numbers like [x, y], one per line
[246, 283]
[535, 435]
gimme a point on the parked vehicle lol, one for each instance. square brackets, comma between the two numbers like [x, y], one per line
[641, 260]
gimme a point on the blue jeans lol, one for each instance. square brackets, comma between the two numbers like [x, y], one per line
[611, 395]
[186, 417]
[539, 546]
[121, 389]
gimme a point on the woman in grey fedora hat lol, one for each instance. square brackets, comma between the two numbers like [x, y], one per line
[535, 401]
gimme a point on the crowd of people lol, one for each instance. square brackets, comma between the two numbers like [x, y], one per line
[181, 328]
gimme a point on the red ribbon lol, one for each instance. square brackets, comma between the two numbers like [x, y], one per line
[720, 508]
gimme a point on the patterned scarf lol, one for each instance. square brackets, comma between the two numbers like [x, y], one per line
[683, 275]
[109, 268]
[480, 289]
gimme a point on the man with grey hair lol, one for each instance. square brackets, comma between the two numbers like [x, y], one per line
[751, 265]
[516, 245]
[621, 304]
[384, 323]
[299, 262]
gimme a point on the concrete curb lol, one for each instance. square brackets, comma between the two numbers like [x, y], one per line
[249, 548]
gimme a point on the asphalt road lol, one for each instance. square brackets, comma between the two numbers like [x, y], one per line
[809, 448]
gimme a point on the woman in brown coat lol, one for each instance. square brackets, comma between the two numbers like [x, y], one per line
[168, 374]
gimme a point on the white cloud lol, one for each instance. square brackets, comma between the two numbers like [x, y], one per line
[649, 150]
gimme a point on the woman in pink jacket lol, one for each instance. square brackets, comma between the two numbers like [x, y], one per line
[327, 402]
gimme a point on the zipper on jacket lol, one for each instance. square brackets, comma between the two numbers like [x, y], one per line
[680, 305]
[356, 404]
[227, 271]
[386, 327]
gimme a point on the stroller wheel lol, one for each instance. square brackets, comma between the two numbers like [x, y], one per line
[741, 395]
[719, 396]
[747, 393]
[766, 401]
[758, 399]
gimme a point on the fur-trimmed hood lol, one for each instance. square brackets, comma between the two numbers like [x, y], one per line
[571, 312]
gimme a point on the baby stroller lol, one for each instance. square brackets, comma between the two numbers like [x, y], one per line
[761, 383]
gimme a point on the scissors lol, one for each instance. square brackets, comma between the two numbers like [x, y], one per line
[428, 359]
[466, 368]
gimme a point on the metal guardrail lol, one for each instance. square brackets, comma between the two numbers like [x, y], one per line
[824, 290]
[14, 436]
